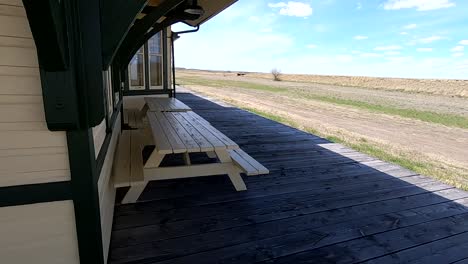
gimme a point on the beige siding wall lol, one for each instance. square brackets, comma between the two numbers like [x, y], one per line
[99, 134]
[107, 190]
[42, 233]
[29, 153]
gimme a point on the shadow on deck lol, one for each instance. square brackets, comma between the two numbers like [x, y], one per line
[321, 203]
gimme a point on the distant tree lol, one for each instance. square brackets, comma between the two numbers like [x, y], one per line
[276, 73]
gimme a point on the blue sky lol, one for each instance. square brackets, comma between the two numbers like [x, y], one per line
[388, 38]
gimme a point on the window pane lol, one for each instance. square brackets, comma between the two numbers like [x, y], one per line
[155, 44]
[136, 72]
[110, 99]
[155, 70]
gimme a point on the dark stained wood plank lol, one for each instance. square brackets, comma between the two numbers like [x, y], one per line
[285, 202]
[383, 243]
[153, 232]
[321, 203]
[463, 261]
[189, 225]
[447, 250]
[409, 222]
[322, 193]
[296, 242]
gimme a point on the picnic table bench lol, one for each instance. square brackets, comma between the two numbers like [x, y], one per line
[134, 118]
[183, 133]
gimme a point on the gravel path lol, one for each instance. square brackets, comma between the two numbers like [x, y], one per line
[433, 140]
[433, 103]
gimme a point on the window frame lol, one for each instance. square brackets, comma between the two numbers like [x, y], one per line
[112, 98]
[143, 52]
[149, 89]
[160, 56]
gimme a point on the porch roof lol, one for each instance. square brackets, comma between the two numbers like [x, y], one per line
[211, 8]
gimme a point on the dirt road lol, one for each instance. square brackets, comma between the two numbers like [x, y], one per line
[435, 141]
[421, 101]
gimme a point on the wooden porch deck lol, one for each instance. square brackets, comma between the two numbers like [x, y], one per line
[321, 203]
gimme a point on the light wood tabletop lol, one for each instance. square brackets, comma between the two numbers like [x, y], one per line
[159, 104]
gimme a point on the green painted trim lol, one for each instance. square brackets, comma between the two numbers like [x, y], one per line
[145, 92]
[101, 157]
[145, 29]
[85, 195]
[165, 61]
[114, 30]
[35, 193]
[87, 57]
[146, 66]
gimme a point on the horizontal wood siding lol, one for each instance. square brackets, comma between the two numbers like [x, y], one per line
[107, 190]
[99, 134]
[29, 152]
[38, 233]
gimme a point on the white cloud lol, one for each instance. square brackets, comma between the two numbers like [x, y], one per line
[392, 53]
[403, 33]
[430, 39]
[464, 42]
[344, 58]
[420, 5]
[410, 26]
[359, 6]
[311, 46]
[291, 8]
[371, 55]
[254, 19]
[424, 49]
[457, 49]
[356, 52]
[400, 59]
[266, 30]
[360, 37]
[458, 54]
[385, 48]
[320, 28]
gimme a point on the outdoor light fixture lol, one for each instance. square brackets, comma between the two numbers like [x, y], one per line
[194, 9]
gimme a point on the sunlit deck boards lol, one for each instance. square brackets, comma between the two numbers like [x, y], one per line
[320, 203]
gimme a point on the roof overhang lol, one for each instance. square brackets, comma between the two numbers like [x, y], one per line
[212, 8]
[159, 14]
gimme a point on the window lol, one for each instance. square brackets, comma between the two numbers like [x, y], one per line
[136, 71]
[146, 67]
[112, 97]
[155, 61]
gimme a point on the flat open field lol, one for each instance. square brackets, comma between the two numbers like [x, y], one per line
[423, 129]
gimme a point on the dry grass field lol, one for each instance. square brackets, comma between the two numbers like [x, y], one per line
[419, 124]
[457, 88]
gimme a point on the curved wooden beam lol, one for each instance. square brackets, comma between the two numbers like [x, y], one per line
[139, 30]
[116, 21]
[127, 56]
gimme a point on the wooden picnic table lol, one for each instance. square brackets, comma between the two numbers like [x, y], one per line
[185, 133]
[160, 104]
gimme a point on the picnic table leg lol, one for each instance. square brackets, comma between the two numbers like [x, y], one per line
[154, 160]
[144, 110]
[187, 159]
[134, 193]
[147, 136]
[211, 154]
[137, 188]
[233, 173]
